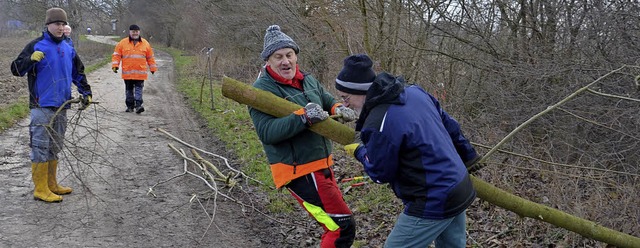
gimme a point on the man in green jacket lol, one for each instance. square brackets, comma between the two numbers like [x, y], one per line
[300, 159]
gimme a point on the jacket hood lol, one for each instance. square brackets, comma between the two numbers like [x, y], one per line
[385, 89]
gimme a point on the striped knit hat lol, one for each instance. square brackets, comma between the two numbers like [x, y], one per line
[275, 40]
[356, 75]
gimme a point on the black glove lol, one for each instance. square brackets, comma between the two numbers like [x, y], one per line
[473, 166]
[85, 101]
[152, 72]
[356, 138]
[115, 69]
[312, 113]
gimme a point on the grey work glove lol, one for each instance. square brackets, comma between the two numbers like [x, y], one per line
[311, 114]
[346, 114]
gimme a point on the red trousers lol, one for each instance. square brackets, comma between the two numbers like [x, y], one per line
[318, 193]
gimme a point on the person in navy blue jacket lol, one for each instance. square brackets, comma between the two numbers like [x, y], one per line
[411, 143]
[67, 35]
[51, 66]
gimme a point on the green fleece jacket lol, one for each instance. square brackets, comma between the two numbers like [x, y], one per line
[287, 140]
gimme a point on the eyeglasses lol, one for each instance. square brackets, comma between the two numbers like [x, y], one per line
[345, 98]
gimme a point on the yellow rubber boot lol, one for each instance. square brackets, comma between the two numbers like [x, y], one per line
[39, 174]
[53, 181]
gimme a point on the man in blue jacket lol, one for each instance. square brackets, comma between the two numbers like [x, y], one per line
[51, 65]
[410, 142]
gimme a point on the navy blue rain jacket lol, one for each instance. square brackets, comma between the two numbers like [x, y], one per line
[50, 79]
[411, 143]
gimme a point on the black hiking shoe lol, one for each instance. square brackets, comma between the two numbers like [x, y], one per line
[129, 110]
[139, 110]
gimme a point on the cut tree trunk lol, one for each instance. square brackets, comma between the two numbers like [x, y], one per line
[271, 104]
[278, 107]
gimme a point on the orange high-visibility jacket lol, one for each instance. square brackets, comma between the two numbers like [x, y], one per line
[135, 59]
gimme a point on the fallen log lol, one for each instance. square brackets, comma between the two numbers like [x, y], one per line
[278, 107]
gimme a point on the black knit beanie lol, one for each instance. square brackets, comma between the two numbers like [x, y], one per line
[134, 27]
[356, 75]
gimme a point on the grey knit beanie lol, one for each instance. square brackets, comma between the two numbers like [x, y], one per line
[275, 40]
[55, 15]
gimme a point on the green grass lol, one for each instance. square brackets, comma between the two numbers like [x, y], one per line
[231, 123]
[93, 67]
[10, 114]
[104, 61]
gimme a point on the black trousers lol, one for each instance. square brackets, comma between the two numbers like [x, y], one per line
[133, 93]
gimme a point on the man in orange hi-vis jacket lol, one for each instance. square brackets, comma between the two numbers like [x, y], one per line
[135, 53]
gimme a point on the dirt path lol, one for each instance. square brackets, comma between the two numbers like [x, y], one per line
[111, 161]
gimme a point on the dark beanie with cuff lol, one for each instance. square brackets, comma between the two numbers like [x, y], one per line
[356, 75]
[275, 40]
[55, 15]
[134, 27]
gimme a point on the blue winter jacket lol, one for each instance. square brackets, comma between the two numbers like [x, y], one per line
[411, 143]
[50, 79]
[69, 40]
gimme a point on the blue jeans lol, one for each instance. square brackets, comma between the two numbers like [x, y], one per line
[46, 141]
[410, 231]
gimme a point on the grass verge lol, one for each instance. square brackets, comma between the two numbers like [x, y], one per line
[95, 66]
[10, 114]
